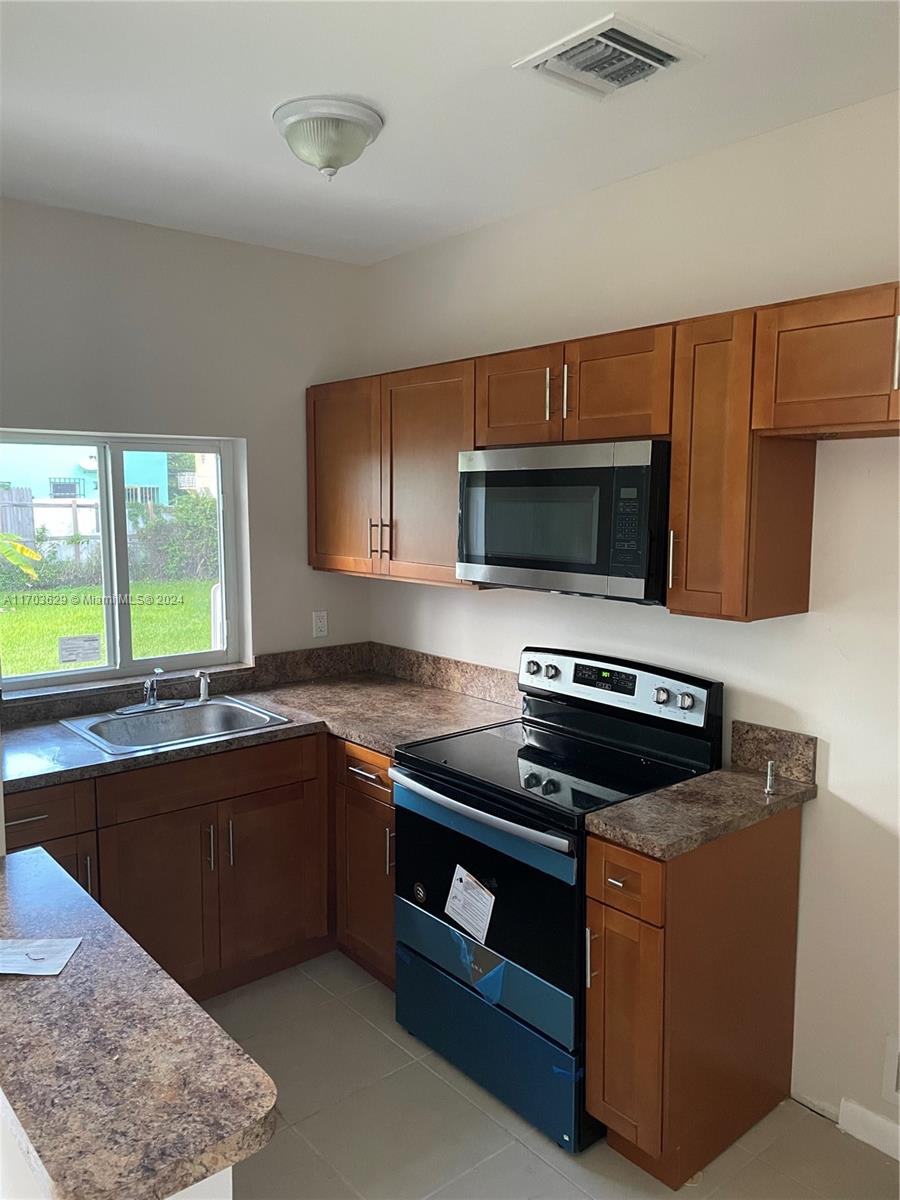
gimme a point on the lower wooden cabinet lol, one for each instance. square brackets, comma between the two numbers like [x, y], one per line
[237, 885]
[690, 1010]
[160, 882]
[78, 855]
[272, 871]
[364, 817]
[624, 1025]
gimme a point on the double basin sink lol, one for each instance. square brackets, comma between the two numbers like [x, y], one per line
[168, 724]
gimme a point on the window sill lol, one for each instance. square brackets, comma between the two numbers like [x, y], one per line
[9, 698]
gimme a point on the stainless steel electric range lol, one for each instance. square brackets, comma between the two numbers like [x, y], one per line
[490, 901]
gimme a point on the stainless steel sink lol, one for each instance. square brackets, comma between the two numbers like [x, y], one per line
[160, 728]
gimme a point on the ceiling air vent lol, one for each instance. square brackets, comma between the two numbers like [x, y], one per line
[607, 56]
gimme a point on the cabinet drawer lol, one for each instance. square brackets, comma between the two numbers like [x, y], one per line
[365, 771]
[192, 781]
[624, 880]
[47, 813]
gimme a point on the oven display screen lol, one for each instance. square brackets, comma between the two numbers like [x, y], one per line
[602, 677]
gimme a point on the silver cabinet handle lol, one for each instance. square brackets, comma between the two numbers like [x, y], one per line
[230, 842]
[547, 394]
[212, 847]
[387, 850]
[619, 883]
[369, 776]
[897, 354]
[372, 525]
[565, 390]
[90, 875]
[27, 820]
[671, 555]
[587, 955]
[382, 550]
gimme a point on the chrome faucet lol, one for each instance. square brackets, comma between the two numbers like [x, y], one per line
[150, 687]
[203, 676]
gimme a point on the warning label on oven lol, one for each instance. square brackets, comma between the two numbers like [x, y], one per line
[470, 904]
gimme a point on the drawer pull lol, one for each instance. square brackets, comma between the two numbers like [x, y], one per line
[27, 820]
[619, 883]
[370, 776]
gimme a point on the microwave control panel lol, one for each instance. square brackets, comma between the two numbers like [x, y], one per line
[628, 540]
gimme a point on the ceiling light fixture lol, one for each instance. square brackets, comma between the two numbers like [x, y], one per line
[326, 132]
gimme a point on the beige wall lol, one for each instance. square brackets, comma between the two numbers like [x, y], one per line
[803, 210]
[117, 327]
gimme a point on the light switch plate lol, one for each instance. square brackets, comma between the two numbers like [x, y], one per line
[320, 623]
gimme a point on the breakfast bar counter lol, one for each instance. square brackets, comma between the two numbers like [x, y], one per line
[113, 1081]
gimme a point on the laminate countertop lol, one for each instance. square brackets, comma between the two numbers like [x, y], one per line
[113, 1081]
[383, 712]
[377, 711]
[678, 819]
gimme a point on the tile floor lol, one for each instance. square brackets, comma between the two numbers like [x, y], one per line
[365, 1110]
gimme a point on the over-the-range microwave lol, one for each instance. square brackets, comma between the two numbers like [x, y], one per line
[589, 519]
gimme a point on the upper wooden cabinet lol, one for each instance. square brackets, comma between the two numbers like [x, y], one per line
[740, 509]
[828, 362]
[518, 397]
[427, 418]
[618, 385]
[343, 430]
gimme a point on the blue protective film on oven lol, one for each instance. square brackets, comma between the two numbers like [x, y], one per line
[523, 1068]
[496, 979]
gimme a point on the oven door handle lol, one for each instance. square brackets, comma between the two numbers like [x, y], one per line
[475, 814]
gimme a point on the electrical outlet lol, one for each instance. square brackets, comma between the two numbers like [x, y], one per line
[320, 623]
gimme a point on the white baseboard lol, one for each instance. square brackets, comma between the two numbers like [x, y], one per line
[870, 1127]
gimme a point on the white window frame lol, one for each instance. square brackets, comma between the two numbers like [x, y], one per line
[114, 556]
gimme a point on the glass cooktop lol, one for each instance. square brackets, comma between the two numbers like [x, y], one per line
[520, 759]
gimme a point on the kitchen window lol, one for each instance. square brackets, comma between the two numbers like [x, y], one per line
[118, 555]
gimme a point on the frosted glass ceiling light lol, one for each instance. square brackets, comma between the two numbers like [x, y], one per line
[327, 133]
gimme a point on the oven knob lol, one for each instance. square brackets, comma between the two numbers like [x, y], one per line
[685, 700]
[533, 667]
[551, 671]
[531, 780]
[661, 695]
[550, 787]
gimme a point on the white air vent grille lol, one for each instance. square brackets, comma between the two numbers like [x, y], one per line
[607, 56]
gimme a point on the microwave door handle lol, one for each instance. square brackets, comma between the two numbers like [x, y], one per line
[483, 818]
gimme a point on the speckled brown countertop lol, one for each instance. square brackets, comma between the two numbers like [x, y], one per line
[378, 711]
[116, 1083]
[680, 818]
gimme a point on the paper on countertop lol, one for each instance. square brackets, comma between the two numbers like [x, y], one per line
[470, 904]
[36, 956]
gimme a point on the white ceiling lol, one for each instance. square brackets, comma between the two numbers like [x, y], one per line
[160, 112]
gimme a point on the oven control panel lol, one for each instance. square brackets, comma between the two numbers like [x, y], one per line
[640, 688]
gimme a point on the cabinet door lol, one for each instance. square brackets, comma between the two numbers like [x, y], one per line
[710, 473]
[624, 1026]
[826, 362]
[160, 882]
[343, 430]
[618, 385]
[274, 861]
[365, 891]
[427, 417]
[518, 397]
[76, 854]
